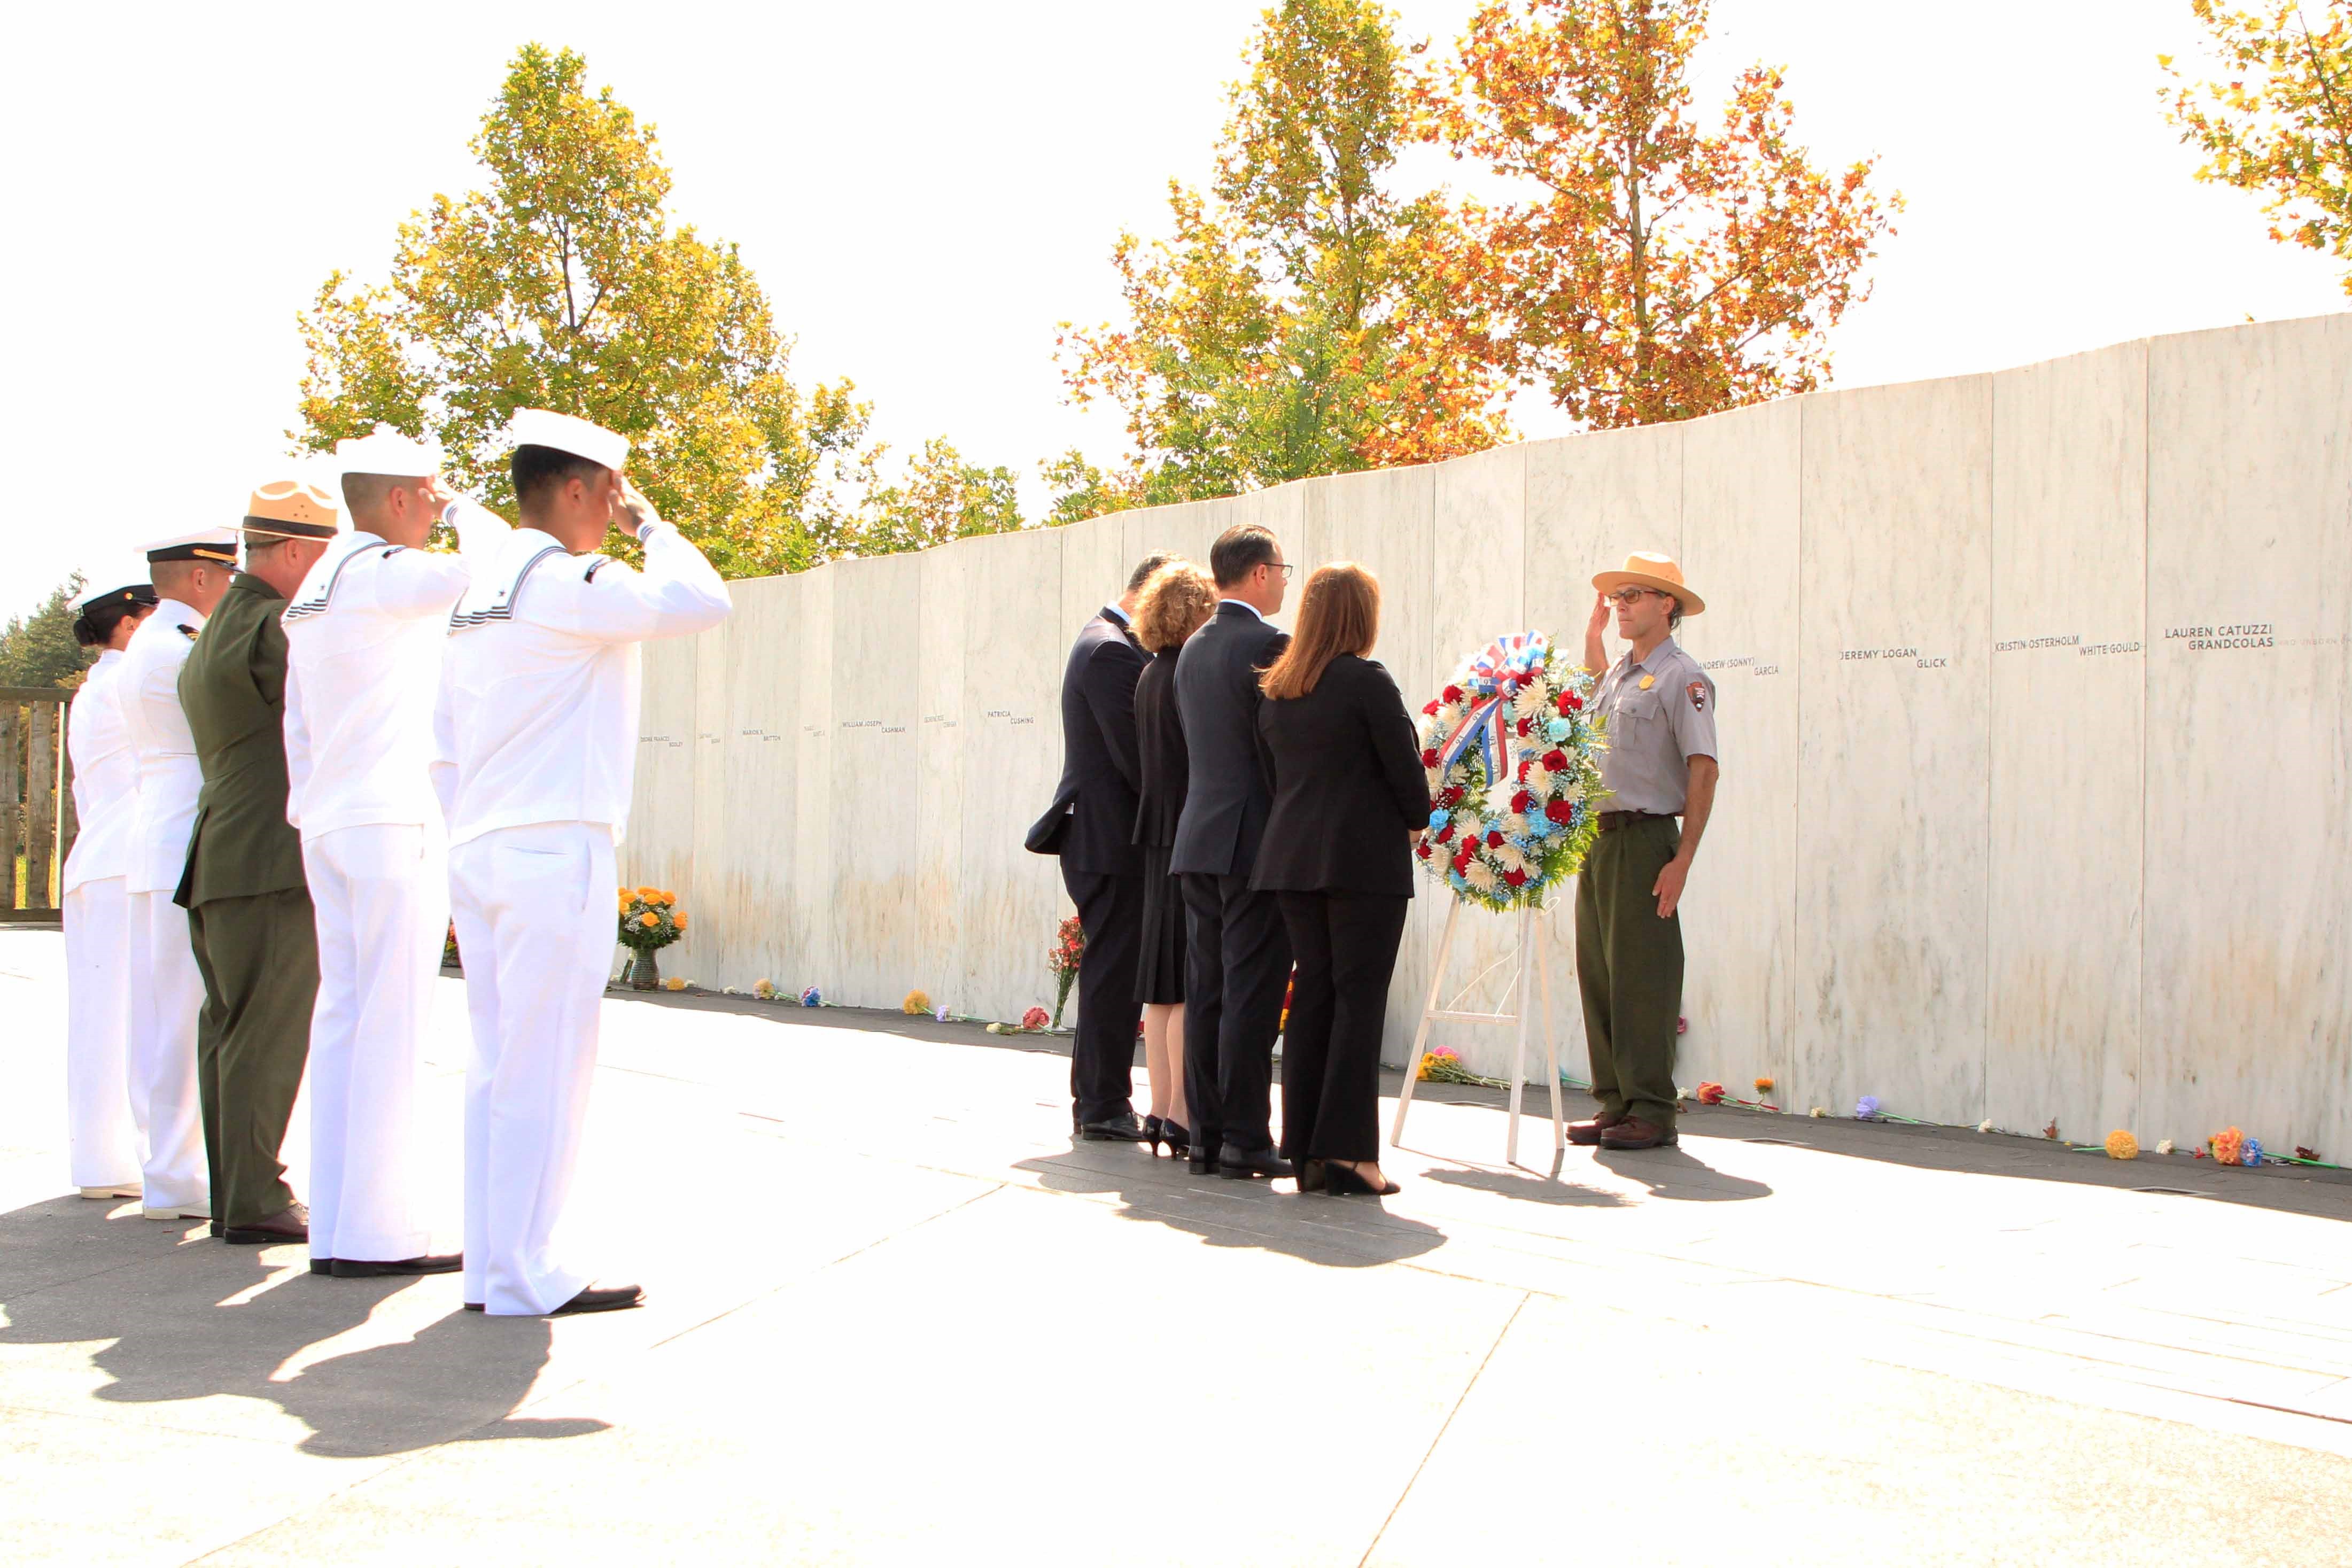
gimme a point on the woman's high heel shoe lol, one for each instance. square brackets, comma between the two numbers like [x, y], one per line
[1178, 1137]
[1344, 1181]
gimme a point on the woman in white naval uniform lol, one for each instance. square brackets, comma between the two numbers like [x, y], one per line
[541, 713]
[191, 572]
[102, 1132]
[364, 635]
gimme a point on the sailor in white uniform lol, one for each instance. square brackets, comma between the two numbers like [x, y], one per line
[364, 635]
[191, 572]
[541, 724]
[103, 1134]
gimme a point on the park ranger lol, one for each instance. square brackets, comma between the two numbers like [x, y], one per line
[249, 909]
[541, 724]
[191, 572]
[364, 635]
[1660, 764]
[103, 1121]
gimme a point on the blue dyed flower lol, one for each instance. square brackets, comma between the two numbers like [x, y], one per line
[1557, 731]
[812, 997]
[1438, 819]
[2253, 1152]
[1866, 1108]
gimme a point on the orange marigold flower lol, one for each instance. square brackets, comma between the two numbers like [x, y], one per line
[2228, 1144]
[1763, 1086]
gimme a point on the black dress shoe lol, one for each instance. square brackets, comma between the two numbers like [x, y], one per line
[1242, 1165]
[214, 1228]
[602, 1298]
[476, 1307]
[1115, 1130]
[322, 1266]
[1202, 1160]
[371, 1267]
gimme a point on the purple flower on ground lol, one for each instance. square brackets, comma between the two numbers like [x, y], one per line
[1866, 1108]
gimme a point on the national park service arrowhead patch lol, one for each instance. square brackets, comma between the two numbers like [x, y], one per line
[1697, 689]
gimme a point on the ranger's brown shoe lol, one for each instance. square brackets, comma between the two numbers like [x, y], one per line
[1633, 1132]
[1589, 1132]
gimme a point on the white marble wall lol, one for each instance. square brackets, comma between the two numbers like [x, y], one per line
[1997, 835]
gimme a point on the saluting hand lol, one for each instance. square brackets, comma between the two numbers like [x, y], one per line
[635, 506]
[1599, 621]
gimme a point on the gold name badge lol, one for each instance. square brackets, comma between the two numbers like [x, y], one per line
[1648, 681]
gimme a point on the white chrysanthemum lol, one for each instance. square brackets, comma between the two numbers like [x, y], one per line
[1515, 825]
[1567, 786]
[1529, 703]
[1449, 716]
[1539, 781]
[1480, 874]
[1468, 822]
[1510, 859]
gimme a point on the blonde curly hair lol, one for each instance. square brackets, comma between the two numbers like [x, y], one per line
[1176, 601]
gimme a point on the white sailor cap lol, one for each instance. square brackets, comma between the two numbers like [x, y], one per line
[218, 544]
[386, 451]
[566, 433]
[122, 581]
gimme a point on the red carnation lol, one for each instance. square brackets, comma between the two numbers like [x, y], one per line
[1428, 709]
[1523, 727]
[1573, 701]
[1422, 849]
[1453, 694]
[1515, 878]
[1523, 768]
[1451, 796]
[1558, 810]
[1521, 801]
[1445, 833]
[1555, 761]
[1494, 839]
[1429, 758]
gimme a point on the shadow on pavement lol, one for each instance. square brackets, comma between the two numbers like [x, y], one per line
[181, 1319]
[1674, 1173]
[1525, 1186]
[1339, 1233]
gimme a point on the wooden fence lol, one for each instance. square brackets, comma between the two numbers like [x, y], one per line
[37, 818]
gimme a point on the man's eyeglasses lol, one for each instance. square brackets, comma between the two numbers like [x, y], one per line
[1631, 595]
[1282, 566]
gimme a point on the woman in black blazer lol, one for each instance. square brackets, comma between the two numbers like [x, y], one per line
[1348, 796]
[1176, 601]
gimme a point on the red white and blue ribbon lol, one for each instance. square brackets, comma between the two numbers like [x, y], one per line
[1489, 687]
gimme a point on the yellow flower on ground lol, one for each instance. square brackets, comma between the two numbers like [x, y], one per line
[763, 988]
[2122, 1145]
[916, 1004]
[1763, 1086]
[649, 919]
[674, 983]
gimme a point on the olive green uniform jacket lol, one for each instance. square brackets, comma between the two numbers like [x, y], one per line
[248, 905]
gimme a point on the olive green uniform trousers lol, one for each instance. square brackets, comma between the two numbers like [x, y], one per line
[259, 958]
[1630, 966]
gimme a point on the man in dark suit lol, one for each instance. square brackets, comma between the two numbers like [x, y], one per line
[1237, 952]
[1091, 825]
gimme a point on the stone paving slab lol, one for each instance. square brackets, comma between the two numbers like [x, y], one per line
[897, 1317]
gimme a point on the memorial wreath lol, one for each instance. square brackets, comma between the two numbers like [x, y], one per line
[1511, 752]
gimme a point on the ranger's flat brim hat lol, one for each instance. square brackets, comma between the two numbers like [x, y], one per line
[388, 452]
[289, 509]
[567, 433]
[1644, 570]
[214, 545]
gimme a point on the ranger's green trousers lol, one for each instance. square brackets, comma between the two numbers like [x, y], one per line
[1629, 964]
[259, 958]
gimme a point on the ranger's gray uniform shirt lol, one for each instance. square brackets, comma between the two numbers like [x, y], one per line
[1661, 713]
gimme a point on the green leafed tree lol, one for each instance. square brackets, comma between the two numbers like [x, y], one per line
[564, 284]
[1296, 320]
[2275, 117]
[39, 648]
[941, 497]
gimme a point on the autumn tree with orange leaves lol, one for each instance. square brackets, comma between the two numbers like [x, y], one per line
[1658, 269]
[1295, 323]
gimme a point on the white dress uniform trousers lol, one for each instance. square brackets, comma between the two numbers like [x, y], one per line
[364, 635]
[539, 724]
[102, 1134]
[166, 991]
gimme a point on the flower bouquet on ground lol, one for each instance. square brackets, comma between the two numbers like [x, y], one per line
[650, 921]
[1069, 946]
[449, 959]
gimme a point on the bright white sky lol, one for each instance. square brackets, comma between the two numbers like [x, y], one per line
[926, 188]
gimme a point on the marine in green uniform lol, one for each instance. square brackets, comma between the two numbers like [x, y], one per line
[249, 906]
[1661, 763]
